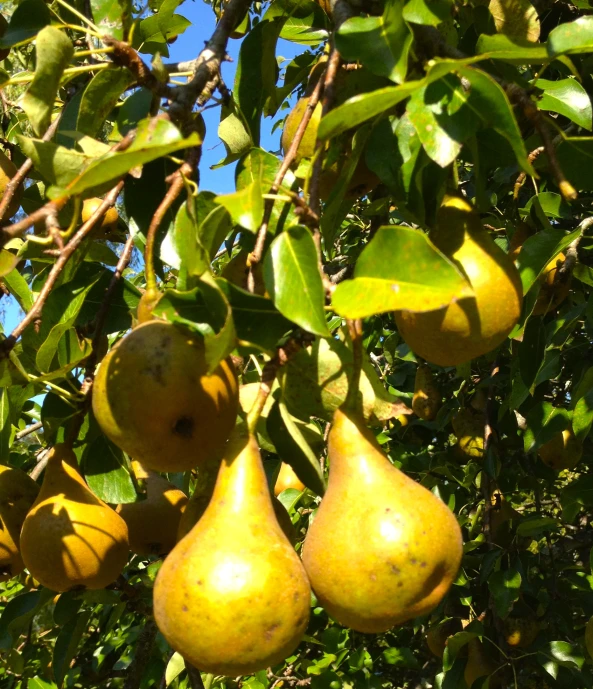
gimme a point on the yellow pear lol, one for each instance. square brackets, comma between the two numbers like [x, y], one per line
[287, 479]
[427, 396]
[471, 326]
[480, 664]
[521, 631]
[109, 220]
[232, 597]
[362, 181]
[469, 429]
[500, 515]
[437, 635]
[7, 171]
[387, 556]
[589, 637]
[563, 451]
[553, 291]
[17, 494]
[154, 398]
[153, 522]
[71, 538]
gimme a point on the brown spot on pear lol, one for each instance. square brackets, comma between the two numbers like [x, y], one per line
[372, 567]
[71, 538]
[251, 607]
[154, 398]
[469, 326]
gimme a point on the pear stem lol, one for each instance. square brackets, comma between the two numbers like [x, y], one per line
[355, 332]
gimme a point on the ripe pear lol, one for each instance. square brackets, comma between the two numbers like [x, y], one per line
[552, 291]
[287, 479]
[17, 494]
[437, 635]
[427, 396]
[471, 326]
[388, 556]
[589, 637]
[362, 181]
[521, 631]
[154, 398]
[201, 498]
[153, 522]
[71, 538]
[563, 451]
[108, 221]
[469, 429]
[232, 597]
[480, 664]
[7, 171]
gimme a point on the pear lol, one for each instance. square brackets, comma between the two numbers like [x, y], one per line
[387, 556]
[17, 494]
[427, 397]
[589, 637]
[362, 181]
[437, 635]
[232, 597]
[237, 272]
[521, 631]
[480, 664]
[563, 451]
[152, 523]
[108, 221]
[469, 429]
[154, 398]
[287, 479]
[501, 514]
[471, 326]
[71, 538]
[7, 171]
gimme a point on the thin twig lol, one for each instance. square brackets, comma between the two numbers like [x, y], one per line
[12, 186]
[355, 332]
[30, 429]
[521, 178]
[65, 255]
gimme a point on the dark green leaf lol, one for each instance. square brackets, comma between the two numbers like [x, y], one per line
[531, 350]
[29, 17]
[427, 12]
[543, 422]
[538, 250]
[100, 97]
[504, 587]
[67, 644]
[105, 471]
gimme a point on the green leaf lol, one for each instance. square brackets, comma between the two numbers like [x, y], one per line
[18, 612]
[175, 667]
[538, 250]
[100, 97]
[535, 526]
[400, 268]
[515, 18]
[544, 421]
[257, 321]
[564, 654]
[511, 49]
[293, 448]
[293, 280]
[135, 108]
[233, 133]
[38, 683]
[531, 350]
[104, 469]
[153, 140]
[66, 645]
[181, 247]
[567, 97]
[54, 50]
[245, 206]
[380, 43]
[213, 229]
[77, 293]
[28, 18]
[204, 310]
[427, 12]
[57, 164]
[582, 419]
[113, 17]
[18, 287]
[504, 587]
[575, 157]
[571, 37]
[255, 79]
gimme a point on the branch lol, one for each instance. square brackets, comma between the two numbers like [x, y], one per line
[521, 178]
[207, 66]
[30, 429]
[144, 645]
[7, 345]
[194, 676]
[125, 56]
[13, 185]
[256, 255]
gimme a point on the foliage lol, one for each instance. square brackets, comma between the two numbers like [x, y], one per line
[491, 98]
